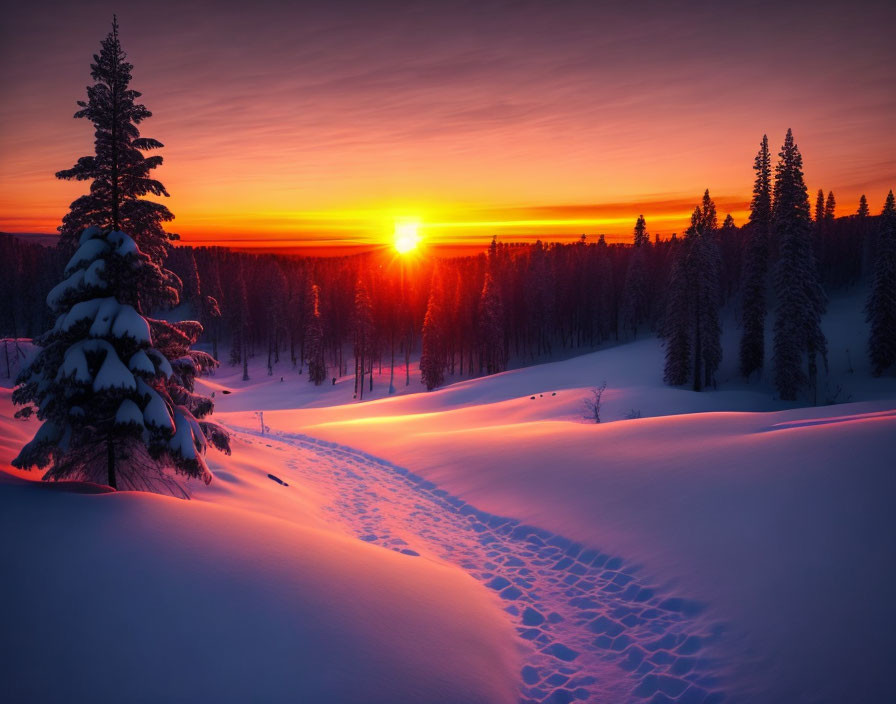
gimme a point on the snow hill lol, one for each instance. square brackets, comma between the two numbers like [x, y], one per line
[481, 543]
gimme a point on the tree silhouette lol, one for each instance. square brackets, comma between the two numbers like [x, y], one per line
[118, 171]
[800, 297]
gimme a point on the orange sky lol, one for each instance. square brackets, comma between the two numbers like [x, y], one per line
[315, 126]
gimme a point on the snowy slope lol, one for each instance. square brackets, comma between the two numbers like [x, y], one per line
[781, 523]
[778, 521]
[243, 595]
[724, 546]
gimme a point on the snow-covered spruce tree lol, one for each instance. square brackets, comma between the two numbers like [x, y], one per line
[800, 297]
[113, 388]
[756, 256]
[636, 293]
[881, 308]
[314, 338]
[118, 171]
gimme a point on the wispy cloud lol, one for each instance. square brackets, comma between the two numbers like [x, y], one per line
[457, 107]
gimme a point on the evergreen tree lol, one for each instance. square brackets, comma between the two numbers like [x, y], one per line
[800, 298]
[362, 328]
[432, 358]
[830, 206]
[491, 327]
[314, 338]
[641, 234]
[636, 294]
[676, 327]
[118, 171]
[240, 350]
[880, 310]
[731, 254]
[691, 327]
[540, 293]
[604, 308]
[707, 326]
[865, 255]
[754, 307]
[819, 206]
[113, 388]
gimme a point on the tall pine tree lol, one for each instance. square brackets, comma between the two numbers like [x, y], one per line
[691, 328]
[756, 257]
[880, 310]
[118, 171]
[362, 333]
[314, 337]
[636, 294]
[819, 206]
[800, 297]
[830, 207]
[433, 359]
[491, 327]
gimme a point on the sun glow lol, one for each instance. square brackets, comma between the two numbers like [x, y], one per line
[407, 236]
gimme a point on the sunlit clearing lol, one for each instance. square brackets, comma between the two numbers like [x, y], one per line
[407, 236]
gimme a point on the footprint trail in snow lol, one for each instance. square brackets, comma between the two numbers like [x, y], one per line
[592, 630]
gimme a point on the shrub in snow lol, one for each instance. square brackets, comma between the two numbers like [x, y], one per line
[592, 405]
[114, 388]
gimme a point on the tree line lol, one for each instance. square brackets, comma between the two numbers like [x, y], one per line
[519, 303]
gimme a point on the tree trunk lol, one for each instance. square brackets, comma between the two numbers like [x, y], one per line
[115, 157]
[698, 355]
[813, 375]
[407, 361]
[392, 367]
[110, 459]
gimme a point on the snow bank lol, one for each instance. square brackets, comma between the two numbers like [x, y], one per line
[155, 599]
[241, 595]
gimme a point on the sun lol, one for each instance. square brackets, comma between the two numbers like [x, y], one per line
[407, 236]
